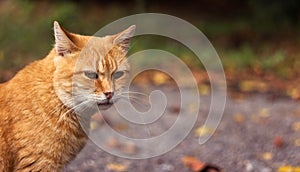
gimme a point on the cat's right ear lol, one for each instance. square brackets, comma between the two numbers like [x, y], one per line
[123, 38]
[63, 44]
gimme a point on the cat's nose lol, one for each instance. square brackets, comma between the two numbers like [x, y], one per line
[108, 95]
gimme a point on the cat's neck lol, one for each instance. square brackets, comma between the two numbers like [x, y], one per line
[37, 89]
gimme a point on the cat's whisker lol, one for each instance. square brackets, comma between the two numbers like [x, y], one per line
[138, 101]
[57, 109]
[136, 93]
[137, 98]
[143, 105]
[72, 109]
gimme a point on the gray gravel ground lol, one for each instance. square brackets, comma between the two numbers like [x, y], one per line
[244, 140]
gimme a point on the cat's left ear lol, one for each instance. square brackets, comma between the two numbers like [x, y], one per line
[63, 43]
[123, 38]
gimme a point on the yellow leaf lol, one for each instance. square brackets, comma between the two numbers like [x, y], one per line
[249, 85]
[121, 127]
[129, 148]
[264, 112]
[288, 169]
[267, 156]
[294, 93]
[204, 89]
[160, 78]
[297, 142]
[285, 169]
[246, 86]
[116, 167]
[238, 117]
[94, 125]
[112, 142]
[296, 126]
[203, 130]
[193, 163]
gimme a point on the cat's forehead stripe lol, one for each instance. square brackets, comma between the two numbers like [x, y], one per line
[101, 66]
[107, 63]
[104, 65]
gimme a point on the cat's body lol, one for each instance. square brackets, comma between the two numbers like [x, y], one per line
[39, 131]
[30, 128]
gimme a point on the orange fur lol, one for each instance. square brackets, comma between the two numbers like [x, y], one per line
[39, 130]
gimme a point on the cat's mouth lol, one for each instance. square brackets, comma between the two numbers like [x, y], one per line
[104, 104]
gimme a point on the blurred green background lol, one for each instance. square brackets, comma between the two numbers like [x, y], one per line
[260, 37]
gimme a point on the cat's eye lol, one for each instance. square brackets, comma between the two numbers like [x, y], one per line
[118, 74]
[91, 75]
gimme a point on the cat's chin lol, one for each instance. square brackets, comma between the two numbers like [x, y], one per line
[104, 106]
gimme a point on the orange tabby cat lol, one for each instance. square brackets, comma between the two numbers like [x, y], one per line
[39, 130]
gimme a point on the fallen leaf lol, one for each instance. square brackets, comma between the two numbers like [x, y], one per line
[250, 85]
[129, 148]
[267, 156]
[198, 166]
[246, 86]
[297, 142]
[174, 109]
[296, 169]
[296, 126]
[116, 167]
[264, 112]
[239, 118]
[94, 125]
[203, 130]
[294, 93]
[278, 141]
[285, 169]
[120, 127]
[160, 78]
[193, 163]
[112, 142]
[204, 89]
[288, 169]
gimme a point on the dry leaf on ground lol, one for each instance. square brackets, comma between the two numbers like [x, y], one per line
[286, 168]
[239, 118]
[264, 112]
[267, 156]
[278, 141]
[160, 78]
[198, 166]
[203, 130]
[296, 126]
[204, 89]
[297, 142]
[116, 167]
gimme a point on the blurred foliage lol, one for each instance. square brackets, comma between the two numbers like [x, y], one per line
[273, 14]
[26, 27]
[254, 34]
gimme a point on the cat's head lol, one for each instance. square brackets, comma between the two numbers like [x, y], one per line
[90, 69]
